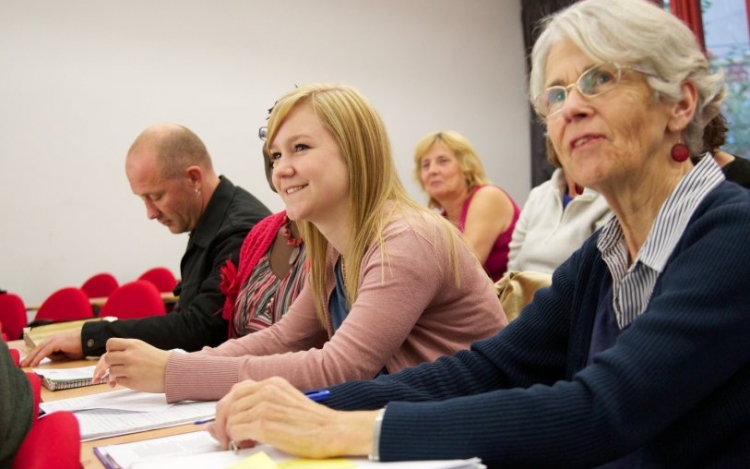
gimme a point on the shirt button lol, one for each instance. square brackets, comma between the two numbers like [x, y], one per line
[90, 343]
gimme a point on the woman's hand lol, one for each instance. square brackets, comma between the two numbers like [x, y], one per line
[134, 364]
[272, 411]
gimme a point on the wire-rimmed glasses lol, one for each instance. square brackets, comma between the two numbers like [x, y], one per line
[593, 82]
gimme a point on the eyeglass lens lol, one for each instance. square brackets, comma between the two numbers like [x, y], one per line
[593, 82]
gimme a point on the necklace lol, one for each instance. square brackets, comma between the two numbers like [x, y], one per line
[286, 232]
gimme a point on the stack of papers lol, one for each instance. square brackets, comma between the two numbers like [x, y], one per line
[127, 411]
[199, 450]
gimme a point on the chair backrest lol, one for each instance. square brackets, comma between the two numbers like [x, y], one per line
[516, 290]
[100, 285]
[36, 389]
[12, 315]
[66, 304]
[15, 355]
[161, 277]
[134, 300]
[53, 441]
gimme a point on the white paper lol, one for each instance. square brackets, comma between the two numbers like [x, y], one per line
[124, 399]
[127, 411]
[125, 455]
[145, 455]
[102, 423]
[66, 374]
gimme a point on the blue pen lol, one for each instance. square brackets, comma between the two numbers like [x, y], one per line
[318, 394]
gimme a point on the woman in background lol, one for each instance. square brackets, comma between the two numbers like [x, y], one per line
[556, 219]
[270, 274]
[391, 284]
[451, 173]
[735, 169]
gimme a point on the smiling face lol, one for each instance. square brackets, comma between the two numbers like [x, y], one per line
[441, 174]
[610, 140]
[309, 171]
[171, 201]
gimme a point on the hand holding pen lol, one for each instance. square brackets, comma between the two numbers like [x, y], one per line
[263, 411]
[134, 364]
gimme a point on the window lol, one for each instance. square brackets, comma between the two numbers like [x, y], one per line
[725, 26]
[722, 26]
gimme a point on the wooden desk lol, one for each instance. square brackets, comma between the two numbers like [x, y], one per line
[88, 458]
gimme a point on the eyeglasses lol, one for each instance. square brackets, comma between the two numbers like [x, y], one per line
[595, 81]
[263, 133]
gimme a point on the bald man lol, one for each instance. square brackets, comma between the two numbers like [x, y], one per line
[169, 168]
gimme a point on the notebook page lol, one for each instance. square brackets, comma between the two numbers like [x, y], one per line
[66, 374]
[124, 399]
[145, 455]
[101, 423]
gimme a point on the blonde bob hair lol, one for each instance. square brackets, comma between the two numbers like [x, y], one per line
[376, 192]
[468, 160]
[636, 32]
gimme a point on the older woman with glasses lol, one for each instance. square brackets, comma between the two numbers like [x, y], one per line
[636, 355]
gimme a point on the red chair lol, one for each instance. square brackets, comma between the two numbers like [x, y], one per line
[54, 441]
[15, 355]
[161, 277]
[132, 300]
[12, 315]
[100, 285]
[66, 304]
[36, 389]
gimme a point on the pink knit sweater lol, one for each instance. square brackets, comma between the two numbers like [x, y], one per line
[408, 310]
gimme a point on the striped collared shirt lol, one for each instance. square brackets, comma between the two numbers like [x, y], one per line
[633, 286]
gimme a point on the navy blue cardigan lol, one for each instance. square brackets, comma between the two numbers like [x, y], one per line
[676, 384]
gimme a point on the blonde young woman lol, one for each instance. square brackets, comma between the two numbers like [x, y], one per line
[390, 285]
[451, 173]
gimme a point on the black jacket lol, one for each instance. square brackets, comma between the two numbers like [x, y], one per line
[196, 320]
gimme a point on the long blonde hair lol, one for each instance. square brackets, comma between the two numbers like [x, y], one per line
[360, 133]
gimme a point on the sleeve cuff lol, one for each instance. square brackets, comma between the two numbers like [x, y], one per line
[376, 426]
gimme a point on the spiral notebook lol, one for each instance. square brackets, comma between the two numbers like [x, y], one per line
[56, 379]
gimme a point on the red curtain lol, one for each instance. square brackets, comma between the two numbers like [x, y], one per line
[689, 11]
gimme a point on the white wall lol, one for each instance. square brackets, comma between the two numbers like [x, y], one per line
[81, 78]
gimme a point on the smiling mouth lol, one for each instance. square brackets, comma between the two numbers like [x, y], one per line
[294, 189]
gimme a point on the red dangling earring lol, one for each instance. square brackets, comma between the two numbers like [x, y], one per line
[579, 189]
[680, 152]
